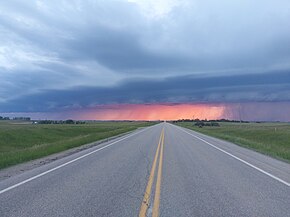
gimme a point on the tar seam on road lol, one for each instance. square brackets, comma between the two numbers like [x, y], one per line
[237, 158]
[146, 199]
[67, 163]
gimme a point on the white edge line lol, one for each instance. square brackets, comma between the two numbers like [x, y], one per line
[69, 162]
[237, 158]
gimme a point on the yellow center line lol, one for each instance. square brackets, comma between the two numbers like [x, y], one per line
[146, 198]
[155, 212]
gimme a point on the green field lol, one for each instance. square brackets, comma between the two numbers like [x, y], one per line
[272, 139]
[21, 142]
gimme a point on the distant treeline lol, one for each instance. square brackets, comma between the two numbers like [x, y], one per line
[210, 123]
[205, 120]
[59, 122]
[22, 118]
[16, 118]
[4, 118]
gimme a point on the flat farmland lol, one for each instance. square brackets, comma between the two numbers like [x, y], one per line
[23, 141]
[272, 139]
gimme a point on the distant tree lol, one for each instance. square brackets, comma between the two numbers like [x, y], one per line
[22, 118]
[80, 122]
[199, 124]
[69, 121]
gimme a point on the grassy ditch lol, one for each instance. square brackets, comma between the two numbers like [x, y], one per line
[272, 139]
[21, 142]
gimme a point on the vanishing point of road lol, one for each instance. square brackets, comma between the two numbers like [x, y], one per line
[163, 170]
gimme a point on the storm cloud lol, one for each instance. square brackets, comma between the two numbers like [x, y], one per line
[263, 87]
[57, 55]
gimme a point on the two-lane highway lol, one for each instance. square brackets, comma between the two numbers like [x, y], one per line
[162, 170]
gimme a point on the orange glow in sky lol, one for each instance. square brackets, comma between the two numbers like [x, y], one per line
[155, 112]
[232, 111]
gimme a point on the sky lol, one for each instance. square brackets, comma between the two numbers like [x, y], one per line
[145, 59]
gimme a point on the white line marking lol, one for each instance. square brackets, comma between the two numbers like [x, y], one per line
[69, 162]
[237, 158]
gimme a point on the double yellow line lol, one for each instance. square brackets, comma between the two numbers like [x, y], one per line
[146, 199]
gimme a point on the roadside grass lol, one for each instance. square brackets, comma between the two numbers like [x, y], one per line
[21, 142]
[272, 139]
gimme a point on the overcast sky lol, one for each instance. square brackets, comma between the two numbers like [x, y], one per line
[57, 54]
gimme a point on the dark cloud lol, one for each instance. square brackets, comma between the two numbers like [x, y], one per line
[264, 87]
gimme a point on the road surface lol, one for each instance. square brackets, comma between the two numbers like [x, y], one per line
[163, 170]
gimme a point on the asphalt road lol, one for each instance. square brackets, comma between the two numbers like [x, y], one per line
[162, 170]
